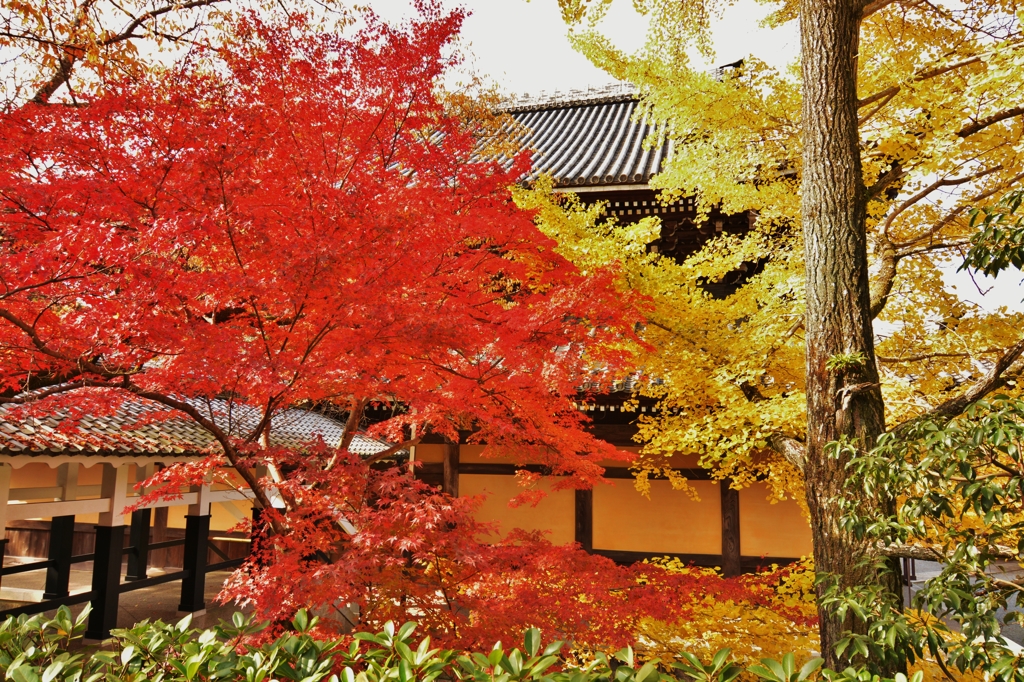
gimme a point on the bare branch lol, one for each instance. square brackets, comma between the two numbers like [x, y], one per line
[992, 380]
[875, 6]
[934, 553]
[222, 438]
[923, 356]
[881, 287]
[136, 22]
[921, 75]
[36, 396]
[941, 182]
[355, 415]
[790, 448]
[981, 124]
[971, 202]
[72, 53]
[394, 449]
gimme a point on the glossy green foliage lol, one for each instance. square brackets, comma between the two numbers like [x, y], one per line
[959, 486]
[40, 649]
[999, 242]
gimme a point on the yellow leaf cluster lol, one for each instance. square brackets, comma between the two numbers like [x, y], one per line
[784, 622]
[942, 133]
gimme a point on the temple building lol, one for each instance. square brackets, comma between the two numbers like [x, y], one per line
[63, 493]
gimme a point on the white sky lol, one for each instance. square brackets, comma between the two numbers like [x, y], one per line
[522, 47]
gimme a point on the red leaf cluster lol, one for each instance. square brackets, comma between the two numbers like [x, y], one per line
[297, 220]
[420, 555]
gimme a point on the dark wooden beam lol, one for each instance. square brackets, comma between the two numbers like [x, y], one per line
[617, 434]
[450, 481]
[501, 469]
[748, 564]
[106, 580]
[193, 586]
[585, 519]
[138, 559]
[731, 560]
[58, 574]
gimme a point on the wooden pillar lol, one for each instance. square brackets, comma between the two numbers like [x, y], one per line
[158, 558]
[730, 529]
[5, 498]
[450, 483]
[138, 536]
[193, 585]
[585, 519]
[58, 574]
[106, 566]
[197, 540]
[62, 536]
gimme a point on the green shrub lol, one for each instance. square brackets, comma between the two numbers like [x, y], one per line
[40, 649]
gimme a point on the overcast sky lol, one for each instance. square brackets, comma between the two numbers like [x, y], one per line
[522, 47]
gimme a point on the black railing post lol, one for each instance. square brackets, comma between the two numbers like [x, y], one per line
[106, 564]
[193, 585]
[138, 537]
[106, 580]
[58, 574]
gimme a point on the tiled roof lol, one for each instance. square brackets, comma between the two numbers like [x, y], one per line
[133, 430]
[588, 141]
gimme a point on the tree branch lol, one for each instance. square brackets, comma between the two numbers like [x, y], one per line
[384, 454]
[71, 53]
[875, 6]
[934, 553]
[790, 448]
[889, 177]
[36, 396]
[992, 380]
[941, 182]
[924, 356]
[222, 438]
[981, 124]
[881, 287]
[921, 75]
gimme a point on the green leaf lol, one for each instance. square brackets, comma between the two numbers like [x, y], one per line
[301, 621]
[531, 641]
[809, 667]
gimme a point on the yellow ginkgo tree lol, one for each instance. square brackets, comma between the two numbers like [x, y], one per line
[862, 165]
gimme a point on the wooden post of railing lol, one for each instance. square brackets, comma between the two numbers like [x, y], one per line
[731, 566]
[62, 536]
[138, 536]
[197, 539]
[5, 497]
[106, 566]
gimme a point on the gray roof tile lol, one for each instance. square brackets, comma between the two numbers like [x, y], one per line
[143, 427]
[594, 142]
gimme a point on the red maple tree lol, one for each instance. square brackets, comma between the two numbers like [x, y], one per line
[300, 219]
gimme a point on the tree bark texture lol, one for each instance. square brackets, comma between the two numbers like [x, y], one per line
[845, 401]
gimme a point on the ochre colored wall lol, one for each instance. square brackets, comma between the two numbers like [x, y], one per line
[34, 475]
[432, 452]
[768, 529]
[669, 521]
[554, 513]
[473, 453]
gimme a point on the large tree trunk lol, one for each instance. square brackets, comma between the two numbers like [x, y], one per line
[842, 401]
